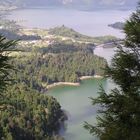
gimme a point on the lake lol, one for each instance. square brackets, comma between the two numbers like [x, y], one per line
[75, 100]
[93, 23]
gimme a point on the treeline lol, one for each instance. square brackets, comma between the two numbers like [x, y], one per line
[67, 46]
[39, 70]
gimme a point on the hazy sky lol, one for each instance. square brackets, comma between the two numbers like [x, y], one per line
[76, 3]
[94, 3]
[103, 2]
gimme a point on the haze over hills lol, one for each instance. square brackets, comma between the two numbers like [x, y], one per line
[87, 4]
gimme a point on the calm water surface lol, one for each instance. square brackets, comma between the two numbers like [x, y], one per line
[93, 23]
[76, 102]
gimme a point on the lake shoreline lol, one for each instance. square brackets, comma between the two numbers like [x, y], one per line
[62, 83]
[73, 84]
[90, 77]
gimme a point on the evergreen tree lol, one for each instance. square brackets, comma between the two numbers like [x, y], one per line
[5, 47]
[119, 110]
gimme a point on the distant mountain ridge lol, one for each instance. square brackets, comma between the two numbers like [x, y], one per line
[89, 4]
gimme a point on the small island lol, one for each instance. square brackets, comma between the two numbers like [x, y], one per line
[117, 25]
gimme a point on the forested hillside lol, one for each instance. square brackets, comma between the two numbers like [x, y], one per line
[63, 56]
[25, 114]
[40, 58]
[43, 57]
[38, 71]
[72, 34]
[55, 55]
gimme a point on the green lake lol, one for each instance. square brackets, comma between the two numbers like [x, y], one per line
[75, 101]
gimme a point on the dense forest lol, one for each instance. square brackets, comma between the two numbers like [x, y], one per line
[28, 115]
[40, 70]
[60, 61]
[25, 114]
[67, 46]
